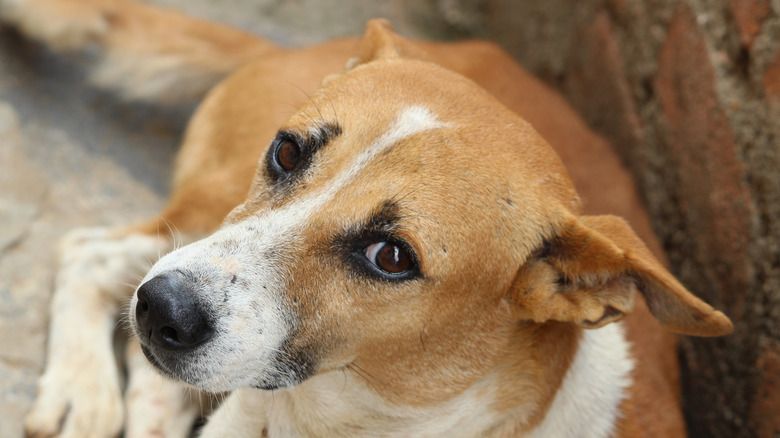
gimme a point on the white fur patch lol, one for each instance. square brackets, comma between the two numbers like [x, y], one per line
[156, 406]
[588, 403]
[410, 121]
[341, 405]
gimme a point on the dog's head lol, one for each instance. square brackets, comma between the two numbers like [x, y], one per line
[405, 223]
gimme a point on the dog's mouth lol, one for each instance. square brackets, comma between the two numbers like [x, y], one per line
[193, 367]
[177, 365]
[158, 365]
[203, 372]
[212, 314]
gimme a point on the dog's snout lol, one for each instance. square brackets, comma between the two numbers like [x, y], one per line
[168, 315]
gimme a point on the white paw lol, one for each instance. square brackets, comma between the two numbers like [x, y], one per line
[80, 235]
[78, 404]
[157, 407]
[92, 258]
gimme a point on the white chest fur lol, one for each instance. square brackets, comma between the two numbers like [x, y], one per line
[341, 405]
[587, 404]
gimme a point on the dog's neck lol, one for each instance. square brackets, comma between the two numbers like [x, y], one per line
[588, 402]
[585, 404]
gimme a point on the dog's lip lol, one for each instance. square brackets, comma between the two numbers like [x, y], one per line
[156, 362]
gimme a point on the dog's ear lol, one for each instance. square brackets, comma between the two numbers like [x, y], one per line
[381, 42]
[587, 273]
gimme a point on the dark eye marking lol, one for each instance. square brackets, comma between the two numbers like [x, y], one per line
[291, 153]
[375, 249]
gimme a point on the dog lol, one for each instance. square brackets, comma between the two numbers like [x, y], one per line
[405, 256]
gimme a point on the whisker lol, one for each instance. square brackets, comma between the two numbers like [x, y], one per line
[310, 100]
[122, 283]
[333, 108]
[364, 374]
[343, 386]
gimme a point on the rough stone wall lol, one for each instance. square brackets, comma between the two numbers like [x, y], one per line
[689, 93]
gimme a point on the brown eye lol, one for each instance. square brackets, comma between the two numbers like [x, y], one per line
[288, 155]
[388, 257]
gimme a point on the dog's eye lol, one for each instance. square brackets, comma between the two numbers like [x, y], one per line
[388, 257]
[288, 155]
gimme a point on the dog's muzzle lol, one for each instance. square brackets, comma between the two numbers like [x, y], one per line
[167, 316]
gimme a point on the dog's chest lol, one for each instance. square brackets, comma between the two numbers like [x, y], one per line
[339, 404]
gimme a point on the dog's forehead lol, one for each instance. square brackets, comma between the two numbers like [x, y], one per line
[434, 148]
[418, 95]
[420, 123]
[456, 165]
[372, 97]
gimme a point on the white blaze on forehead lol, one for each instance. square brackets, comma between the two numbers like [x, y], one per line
[410, 121]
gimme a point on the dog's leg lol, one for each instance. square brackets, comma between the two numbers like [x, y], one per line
[143, 52]
[79, 393]
[157, 406]
[243, 413]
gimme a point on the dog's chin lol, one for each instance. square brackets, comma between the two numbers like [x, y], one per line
[171, 370]
[186, 369]
[157, 365]
[183, 370]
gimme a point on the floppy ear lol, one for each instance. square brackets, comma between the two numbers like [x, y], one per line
[588, 274]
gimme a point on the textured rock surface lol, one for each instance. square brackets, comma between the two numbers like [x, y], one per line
[689, 93]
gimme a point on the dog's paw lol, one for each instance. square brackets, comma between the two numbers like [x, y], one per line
[78, 404]
[161, 408]
[61, 24]
[156, 406]
[79, 236]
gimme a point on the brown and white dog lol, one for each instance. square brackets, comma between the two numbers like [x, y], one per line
[404, 256]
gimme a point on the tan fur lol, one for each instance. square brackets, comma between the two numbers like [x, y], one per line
[497, 320]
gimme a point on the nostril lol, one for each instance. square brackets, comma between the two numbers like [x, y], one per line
[169, 334]
[142, 315]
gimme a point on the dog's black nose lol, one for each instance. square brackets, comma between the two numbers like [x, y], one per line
[167, 313]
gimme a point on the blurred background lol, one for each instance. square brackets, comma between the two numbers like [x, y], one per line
[687, 91]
